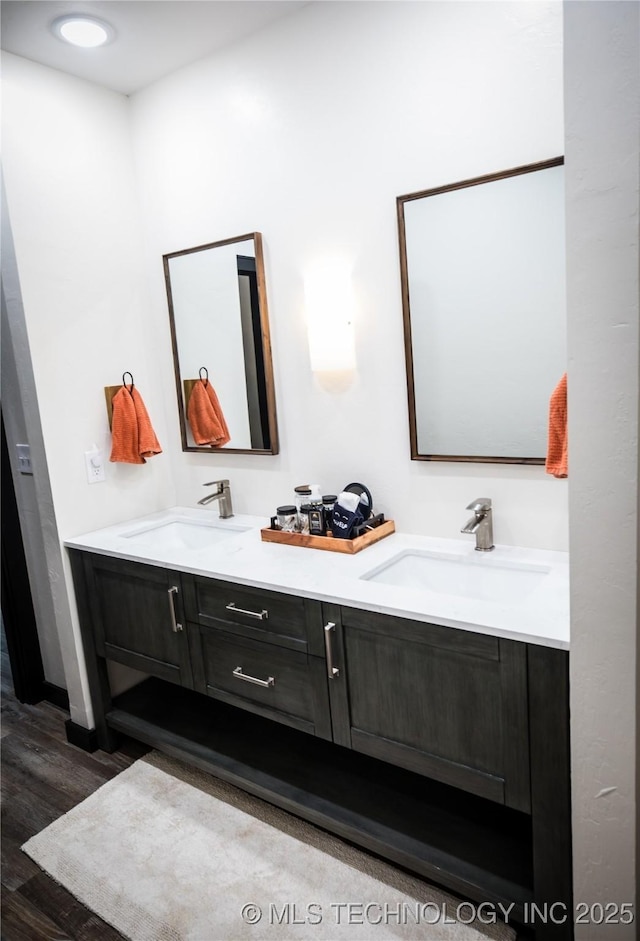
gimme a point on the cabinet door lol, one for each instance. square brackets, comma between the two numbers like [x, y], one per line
[138, 617]
[442, 702]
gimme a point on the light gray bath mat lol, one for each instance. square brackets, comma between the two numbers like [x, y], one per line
[164, 852]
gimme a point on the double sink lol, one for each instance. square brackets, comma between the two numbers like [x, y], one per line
[464, 574]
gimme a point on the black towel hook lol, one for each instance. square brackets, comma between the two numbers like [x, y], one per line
[200, 374]
[127, 373]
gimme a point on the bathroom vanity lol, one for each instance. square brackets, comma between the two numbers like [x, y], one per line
[436, 742]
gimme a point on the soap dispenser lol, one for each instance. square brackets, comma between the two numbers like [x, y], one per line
[316, 512]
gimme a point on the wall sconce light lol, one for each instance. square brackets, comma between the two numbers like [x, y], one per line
[329, 304]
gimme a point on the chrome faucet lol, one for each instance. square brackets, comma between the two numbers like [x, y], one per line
[481, 524]
[223, 494]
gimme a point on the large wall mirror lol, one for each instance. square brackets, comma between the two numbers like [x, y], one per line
[483, 289]
[221, 347]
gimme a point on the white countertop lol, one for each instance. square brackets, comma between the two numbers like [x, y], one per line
[542, 617]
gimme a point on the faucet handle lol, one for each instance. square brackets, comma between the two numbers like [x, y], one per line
[222, 494]
[480, 505]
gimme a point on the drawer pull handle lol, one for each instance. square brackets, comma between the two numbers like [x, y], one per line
[332, 671]
[239, 675]
[175, 625]
[260, 615]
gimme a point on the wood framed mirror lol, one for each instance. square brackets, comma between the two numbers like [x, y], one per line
[221, 347]
[482, 266]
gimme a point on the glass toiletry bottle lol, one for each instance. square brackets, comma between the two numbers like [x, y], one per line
[302, 496]
[287, 518]
[303, 518]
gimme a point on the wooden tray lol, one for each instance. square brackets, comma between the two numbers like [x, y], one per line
[329, 543]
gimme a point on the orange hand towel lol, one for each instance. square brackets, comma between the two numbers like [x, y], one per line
[133, 438]
[207, 422]
[557, 462]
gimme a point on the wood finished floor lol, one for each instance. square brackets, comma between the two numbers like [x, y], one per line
[42, 778]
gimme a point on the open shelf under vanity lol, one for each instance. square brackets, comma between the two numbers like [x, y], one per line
[473, 846]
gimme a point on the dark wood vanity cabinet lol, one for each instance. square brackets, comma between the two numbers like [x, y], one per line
[442, 750]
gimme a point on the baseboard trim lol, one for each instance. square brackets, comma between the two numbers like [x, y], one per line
[86, 739]
[56, 695]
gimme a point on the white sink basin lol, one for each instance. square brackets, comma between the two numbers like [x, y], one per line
[184, 533]
[478, 576]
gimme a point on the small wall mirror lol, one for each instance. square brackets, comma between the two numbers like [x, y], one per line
[483, 289]
[221, 347]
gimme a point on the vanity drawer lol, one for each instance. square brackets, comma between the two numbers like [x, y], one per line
[280, 684]
[254, 613]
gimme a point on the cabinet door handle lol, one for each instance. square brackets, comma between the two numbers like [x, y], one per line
[332, 671]
[175, 625]
[239, 675]
[260, 615]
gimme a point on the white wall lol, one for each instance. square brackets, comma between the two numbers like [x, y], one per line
[307, 132]
[602, 100]
[74, 215]
[73, 212]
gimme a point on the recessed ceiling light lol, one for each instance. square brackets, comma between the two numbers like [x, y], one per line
[81, 30]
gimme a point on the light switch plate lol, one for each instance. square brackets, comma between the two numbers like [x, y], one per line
[94, 462]
[24, 458]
